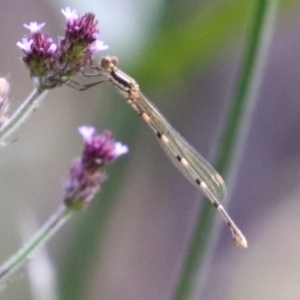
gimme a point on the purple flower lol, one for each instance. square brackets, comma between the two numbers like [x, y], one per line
[34, 26]
[86, 175]
[25, 45]
[70, 15]
[86, 132]
[97, 46]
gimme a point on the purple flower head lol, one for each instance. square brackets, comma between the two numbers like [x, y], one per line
[86, 175]
[99, 149]
[39, 50]
[81, 187]
[81, 38]
[51, 65]
[38, 41]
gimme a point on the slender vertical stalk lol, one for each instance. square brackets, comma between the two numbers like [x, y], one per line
[39, 239]
[231, 144]
[22, 113]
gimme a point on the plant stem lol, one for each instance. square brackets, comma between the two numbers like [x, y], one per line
[39, 239]
[26, 108]
[231, 145]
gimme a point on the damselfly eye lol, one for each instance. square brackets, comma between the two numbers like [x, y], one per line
[106, 62]
[114, 60]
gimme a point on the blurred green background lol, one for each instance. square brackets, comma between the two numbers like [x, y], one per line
[131, 243]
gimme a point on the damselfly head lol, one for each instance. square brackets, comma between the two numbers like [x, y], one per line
[108, 61]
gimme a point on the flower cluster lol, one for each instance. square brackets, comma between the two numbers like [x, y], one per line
[50, 64]
[86, 174]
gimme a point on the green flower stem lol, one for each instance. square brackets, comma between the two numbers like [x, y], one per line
[26, 108]
[231, 145]
[39, 239]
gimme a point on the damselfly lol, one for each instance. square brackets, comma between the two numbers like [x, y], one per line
[189, 162]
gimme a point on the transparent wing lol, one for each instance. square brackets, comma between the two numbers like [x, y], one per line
[188, 161]
[198, 168]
